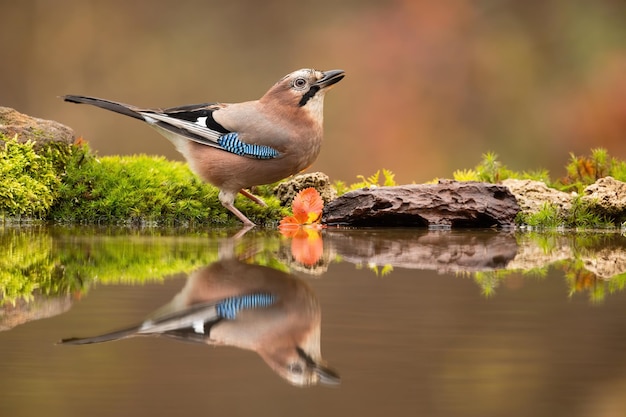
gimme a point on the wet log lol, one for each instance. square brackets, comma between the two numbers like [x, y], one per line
[447, 204]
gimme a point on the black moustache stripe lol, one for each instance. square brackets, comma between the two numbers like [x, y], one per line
[309, 95]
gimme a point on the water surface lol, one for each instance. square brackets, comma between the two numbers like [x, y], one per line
[414, 322]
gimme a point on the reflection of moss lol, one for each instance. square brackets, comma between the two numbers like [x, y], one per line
[552, 240]
[569, 252]
[112, 260]
[65, 261]
[488, 281]
[27, 266]
[580, 280]
[34, 262]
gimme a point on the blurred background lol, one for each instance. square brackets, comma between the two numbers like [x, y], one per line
[430, 85]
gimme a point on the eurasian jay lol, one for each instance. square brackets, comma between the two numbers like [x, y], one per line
[247, 306]
[238, 145]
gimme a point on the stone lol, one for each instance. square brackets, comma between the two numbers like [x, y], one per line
[607, 197]
[287, 190]
[27, 128]
[532, 195]
[443, 205]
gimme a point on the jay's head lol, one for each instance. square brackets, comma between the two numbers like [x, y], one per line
[299, 367]
[303, 89]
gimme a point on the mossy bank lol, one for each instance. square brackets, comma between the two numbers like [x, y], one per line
[66, 183]
[46, 175]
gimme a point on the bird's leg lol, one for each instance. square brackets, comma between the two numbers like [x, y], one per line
[252, 197]
[227, 199]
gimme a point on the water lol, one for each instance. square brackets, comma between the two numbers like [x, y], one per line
[414, 322]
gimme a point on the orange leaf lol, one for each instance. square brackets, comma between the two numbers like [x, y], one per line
[307, 206]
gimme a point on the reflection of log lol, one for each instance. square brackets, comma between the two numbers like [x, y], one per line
[436, 250]
[470, 251]
[446, 204]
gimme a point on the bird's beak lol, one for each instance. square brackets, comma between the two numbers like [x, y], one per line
[327, 376]
[330, 77]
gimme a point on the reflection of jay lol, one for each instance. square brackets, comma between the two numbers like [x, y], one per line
[238, 145]
[248, 306]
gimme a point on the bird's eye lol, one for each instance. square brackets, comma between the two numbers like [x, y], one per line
[296, 368]
[299, 83]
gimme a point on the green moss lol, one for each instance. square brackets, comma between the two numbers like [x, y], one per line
[69, 184]
[28, 181]
[381, 178]
[492, 170]
[131, 190]
[581, 171]
[582, 216]
[142, 190]
[465, 175]
[548, 216]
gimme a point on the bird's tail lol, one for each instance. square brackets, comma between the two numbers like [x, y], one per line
[121, 108]
[108, 337]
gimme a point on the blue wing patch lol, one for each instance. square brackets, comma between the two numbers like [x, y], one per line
[229, 307]
[231, 143]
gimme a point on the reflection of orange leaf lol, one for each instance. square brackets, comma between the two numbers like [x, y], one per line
[307, 246]
[307, 208]
[288, 226]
